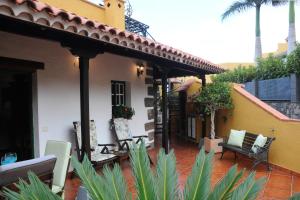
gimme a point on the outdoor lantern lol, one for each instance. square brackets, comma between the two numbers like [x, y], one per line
[140, 69]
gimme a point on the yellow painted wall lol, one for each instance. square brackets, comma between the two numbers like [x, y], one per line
[247, 115]
[112, 15]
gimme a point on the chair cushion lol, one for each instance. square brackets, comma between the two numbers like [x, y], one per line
[93, 134]
[147, 142]
[56, 189]
[122, 128]
[260, 141]
[101, 157]
[11, 173]
[236, 138]
[62, 152]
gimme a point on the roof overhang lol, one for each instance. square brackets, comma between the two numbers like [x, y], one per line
[36, 19]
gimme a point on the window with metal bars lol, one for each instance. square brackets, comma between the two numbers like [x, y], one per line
[118, 93]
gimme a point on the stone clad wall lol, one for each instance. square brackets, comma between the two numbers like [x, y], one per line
[292, 110]
[149, 102]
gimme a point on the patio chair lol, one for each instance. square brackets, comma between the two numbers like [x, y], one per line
[11, 173]
[62, 151]
[100, 153]
[124, 137]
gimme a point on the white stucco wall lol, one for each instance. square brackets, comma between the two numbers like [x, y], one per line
[58, 88]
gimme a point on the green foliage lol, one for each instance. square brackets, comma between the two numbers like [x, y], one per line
[198, 183]
[144, 179]
[293, 61]
[163, 185]
[267, 68]
[237, 75]
[223, 189]
[166, 176]
[123, 112]
[33, 190]
[270, 68]
[215, 96]
[295, 197]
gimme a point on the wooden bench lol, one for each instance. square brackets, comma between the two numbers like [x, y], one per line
[261, 156]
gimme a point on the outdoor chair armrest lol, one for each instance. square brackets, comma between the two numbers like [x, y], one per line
[140, 136]
[105, 149]
[124, 140]
[108, 145]
[260, 149]
[81, 149]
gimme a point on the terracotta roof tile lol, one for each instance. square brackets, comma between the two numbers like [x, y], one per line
[111, 34]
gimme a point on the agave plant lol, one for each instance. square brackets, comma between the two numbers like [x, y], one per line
[159, 184]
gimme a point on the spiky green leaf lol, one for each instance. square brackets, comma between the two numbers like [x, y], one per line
[295, 197]
[198, 183]
[34, 190]
[167, 177]
[248, 189]
[94, 184]
[224, 188]
[115, 183]
[144, 179]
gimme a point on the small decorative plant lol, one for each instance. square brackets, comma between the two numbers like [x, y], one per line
[215, 96]
[160, 184]
[123, 112]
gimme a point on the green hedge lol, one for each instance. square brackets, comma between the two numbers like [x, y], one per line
[267, 68]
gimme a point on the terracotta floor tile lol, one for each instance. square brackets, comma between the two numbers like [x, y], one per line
[296, 184]
[275, 193]
[278, 187]
[277, 181]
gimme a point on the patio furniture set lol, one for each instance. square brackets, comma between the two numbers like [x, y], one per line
[109, 153]
[254, 146]
[52, 168]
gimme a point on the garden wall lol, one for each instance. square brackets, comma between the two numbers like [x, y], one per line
[255, 116]
[279, 89]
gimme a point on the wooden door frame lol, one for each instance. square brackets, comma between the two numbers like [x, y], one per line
[20, 65]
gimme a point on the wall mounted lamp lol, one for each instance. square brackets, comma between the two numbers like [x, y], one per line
[140, 69]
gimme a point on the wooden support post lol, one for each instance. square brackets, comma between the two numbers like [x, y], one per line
[165, 132]
[203, 80]
[84, 106]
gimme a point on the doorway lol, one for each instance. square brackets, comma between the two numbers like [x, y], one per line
[16, 115]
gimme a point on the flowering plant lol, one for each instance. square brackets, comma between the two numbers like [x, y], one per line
[123, 112]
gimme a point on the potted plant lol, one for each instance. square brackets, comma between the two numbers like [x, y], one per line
[121, 111]
[215, 96]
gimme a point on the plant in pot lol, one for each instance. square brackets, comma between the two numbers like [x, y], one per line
[215, 96]
[121, 111]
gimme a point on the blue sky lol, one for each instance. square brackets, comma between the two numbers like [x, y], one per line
[195, 26]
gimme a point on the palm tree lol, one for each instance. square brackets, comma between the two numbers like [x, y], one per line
[243, 5]
[292, 29]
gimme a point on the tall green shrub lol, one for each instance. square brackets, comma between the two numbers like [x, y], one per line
[293, 61]
[270, 68]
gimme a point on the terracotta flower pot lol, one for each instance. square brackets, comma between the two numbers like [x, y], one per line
[213, 144]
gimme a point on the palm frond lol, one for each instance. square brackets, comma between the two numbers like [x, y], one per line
[144, 179]
[166, 177]
[33, 190]
[116, 186]
[237, 7]
[94, 184]
[224, 188]
[279, 2]
[248, 189]
[295, 197]
[198, 183]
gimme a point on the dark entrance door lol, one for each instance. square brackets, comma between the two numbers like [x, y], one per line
[16, 121]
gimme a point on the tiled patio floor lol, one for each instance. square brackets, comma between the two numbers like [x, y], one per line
[280, 184]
